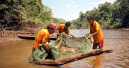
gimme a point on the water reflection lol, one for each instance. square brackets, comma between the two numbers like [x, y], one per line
[97, 61]
[90, 62]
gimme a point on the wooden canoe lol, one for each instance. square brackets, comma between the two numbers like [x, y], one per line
[72, 59]
[30, 37]
[26, 37]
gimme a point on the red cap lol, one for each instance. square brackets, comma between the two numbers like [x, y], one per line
[52, 25]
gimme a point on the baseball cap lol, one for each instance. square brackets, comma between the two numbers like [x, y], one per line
[52, 25]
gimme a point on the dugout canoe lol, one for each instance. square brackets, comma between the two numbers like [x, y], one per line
[31, 37]
[72, 59]
[26, 37]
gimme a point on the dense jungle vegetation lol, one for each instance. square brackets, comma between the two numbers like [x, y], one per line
[108, 15]
[20, 13]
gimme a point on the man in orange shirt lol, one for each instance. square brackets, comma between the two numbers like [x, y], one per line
[96, 32]
[64, 28]
[42, 37]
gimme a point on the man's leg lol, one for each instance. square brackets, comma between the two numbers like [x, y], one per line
[101, 44]
[94, 46]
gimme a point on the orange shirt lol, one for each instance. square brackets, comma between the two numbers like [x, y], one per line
[42, 37]
[61, 29]
[96, 27]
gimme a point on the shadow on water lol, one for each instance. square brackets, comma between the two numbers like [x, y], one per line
[15, 54]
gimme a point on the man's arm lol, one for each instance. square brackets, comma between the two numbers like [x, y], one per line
[68, 32]
[46, 47]
[97, 31]
[44, 43]
[72, 35]
[57, 31]
[92, 34]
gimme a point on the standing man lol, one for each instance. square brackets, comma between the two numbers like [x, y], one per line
[96, 32]
[42, 37]
[64, 28]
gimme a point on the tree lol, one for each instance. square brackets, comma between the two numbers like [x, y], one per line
[107, 14]
[124, 12]
[30, 10]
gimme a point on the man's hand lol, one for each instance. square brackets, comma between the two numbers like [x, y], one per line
[57, 31]
[72, 35]
[46, 47]
[90, 35]
[95, 33]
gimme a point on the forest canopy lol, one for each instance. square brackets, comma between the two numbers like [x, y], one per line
[15, 12]
[108, 15]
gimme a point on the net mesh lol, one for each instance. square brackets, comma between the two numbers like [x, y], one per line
[64, 46]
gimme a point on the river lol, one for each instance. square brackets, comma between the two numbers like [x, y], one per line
[15, 54]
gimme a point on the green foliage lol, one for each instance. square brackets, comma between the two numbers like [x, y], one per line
[107, 14]
[32, 10]
[3, 6]
[59, 21]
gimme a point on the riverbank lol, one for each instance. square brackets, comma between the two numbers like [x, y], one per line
[7, 35]
[115, 27]
[11, 35]
[106, 29]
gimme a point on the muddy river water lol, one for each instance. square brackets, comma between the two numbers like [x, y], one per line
[15, 54]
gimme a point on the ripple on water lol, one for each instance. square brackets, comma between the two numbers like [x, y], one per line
[15, 54]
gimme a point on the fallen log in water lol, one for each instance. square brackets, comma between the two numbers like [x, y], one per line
[68, 60]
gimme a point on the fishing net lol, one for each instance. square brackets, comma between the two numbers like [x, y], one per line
[64, 45]
[39, 54]
[76, 44]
